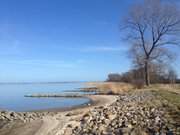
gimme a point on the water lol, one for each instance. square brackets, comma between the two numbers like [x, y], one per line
[12, 96]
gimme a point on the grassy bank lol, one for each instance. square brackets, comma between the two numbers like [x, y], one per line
[171, 97]
[171, 102]
[110, 87]
[119, 87]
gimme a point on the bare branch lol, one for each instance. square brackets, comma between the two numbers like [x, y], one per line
[152, 25]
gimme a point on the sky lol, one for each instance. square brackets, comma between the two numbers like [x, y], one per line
[62, 40]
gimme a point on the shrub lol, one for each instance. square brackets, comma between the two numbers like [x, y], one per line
[138, 84]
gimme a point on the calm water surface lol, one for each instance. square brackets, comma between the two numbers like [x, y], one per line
[12, 96]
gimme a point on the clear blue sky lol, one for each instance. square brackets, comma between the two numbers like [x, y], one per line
[61, 40]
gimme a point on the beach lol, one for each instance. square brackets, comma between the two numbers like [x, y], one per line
[54, 122]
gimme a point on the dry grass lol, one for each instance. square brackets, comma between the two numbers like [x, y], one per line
[111, 87]
[172, 97]
[170, 101]
[166, 87]
[118, 87]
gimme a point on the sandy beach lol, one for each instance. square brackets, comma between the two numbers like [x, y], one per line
[55, 121]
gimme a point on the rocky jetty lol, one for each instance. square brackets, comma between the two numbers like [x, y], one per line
[129, 115]
[69, 95]
[89, 89]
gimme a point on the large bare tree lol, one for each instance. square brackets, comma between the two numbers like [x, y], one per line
[151, 27]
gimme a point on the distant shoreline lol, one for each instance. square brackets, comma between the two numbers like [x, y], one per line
[3, 83]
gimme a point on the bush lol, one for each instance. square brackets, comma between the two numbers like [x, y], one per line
[138, 84]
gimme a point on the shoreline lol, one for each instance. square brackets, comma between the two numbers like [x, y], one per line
[70, 108]
[125, 111]
[53, 119]
[57, 109]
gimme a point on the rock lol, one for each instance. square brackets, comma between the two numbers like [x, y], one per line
[129, 126]
[69, 126]
[68, 132]
[111, 116]
[122, 117]
[157, 119]
[102, 128]
[69, 114]
[133, 122]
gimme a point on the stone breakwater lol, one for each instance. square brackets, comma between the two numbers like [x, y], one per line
[70, 95]
[129, 115]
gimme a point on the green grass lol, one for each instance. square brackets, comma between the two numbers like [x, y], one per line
[171, 97]
[173, 106]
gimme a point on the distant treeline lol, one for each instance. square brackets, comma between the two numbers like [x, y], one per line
[137, 76]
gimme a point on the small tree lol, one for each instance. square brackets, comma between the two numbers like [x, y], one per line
[114, 77]
[151, 26]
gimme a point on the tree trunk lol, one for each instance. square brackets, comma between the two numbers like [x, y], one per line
[146, 68]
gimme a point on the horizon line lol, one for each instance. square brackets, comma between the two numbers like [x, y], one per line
[48, 82]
